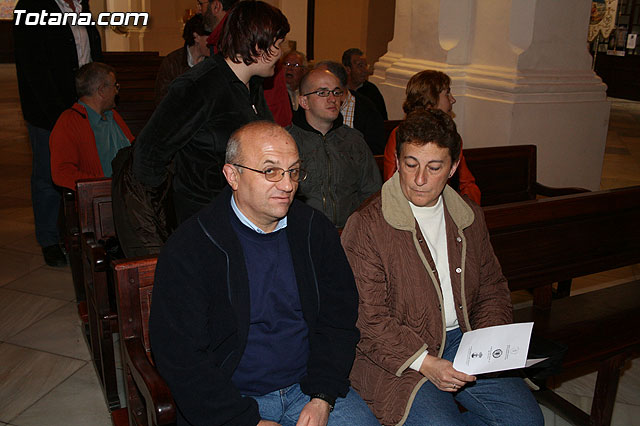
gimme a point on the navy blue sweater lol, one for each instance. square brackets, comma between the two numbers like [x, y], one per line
[277, 345]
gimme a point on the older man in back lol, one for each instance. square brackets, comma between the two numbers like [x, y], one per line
[341, 170]
[295, 67]
[88, 135]
[358, 69]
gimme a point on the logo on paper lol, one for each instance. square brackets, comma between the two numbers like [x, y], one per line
[497, 353]
[476, 355]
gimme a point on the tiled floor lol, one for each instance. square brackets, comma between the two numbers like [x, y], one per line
[46, 377]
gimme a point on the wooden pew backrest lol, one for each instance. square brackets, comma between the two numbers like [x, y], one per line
[543, 241]
[136, 73]
[135, 286]
[389, 125]
[504, 174]
[94, 207]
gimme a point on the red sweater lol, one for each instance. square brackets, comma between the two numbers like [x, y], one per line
[74, 154]
[467, 181]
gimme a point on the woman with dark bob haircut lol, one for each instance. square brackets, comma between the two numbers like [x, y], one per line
[251, 31]
[430, 90]
[203, 106]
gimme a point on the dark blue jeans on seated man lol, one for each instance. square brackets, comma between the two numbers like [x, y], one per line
[489, 401]
[45, 197]
[284, 406]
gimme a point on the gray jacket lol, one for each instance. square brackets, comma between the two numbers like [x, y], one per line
[342, 172]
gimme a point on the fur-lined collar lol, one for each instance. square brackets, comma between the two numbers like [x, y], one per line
[397, 212]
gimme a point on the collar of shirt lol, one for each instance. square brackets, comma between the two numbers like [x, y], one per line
[348, 109]
[348, 102]
[246, 222]
[94, 117]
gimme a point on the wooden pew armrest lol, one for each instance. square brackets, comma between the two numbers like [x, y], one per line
[95, 252]
[70, 212]
[152, 387]
[549, 191]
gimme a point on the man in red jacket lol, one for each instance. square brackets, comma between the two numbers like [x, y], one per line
[88, 135]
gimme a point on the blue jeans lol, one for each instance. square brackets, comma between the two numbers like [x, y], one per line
[45, 197]
[284, 406]
[489, 401]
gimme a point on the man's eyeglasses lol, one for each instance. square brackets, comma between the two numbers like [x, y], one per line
[276, 174]
[324, 93]
[292, 65]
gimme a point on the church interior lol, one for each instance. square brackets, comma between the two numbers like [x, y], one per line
[586, 137]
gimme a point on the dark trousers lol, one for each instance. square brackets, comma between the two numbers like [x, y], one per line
[45, 196]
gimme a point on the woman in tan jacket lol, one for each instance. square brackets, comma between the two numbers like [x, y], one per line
[426, 273]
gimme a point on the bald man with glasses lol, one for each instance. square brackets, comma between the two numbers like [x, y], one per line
[254, 302]
[341, 170]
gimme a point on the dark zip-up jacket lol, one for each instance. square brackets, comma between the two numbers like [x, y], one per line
[192, 125]
[200, 313]
[341, 170]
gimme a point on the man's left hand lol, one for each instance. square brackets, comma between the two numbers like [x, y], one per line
[314, 413]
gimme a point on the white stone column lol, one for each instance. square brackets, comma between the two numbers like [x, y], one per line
[521, 74]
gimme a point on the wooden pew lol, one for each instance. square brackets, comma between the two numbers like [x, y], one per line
[96, 226]
[149, 401]
[506, 174]
[389, 125]
[136, 72]
[543, 241]
[538, 242]
[71, 239]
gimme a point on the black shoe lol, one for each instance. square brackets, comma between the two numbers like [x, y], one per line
[54, 256]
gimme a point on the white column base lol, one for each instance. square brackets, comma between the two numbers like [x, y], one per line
[565, 113]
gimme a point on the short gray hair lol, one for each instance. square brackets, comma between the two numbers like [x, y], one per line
[233, 148]
[300, 54]
[91, 76]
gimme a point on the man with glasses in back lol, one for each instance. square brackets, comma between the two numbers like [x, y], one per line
[88, 135]
[254, 303]
[342, 172]
[358, 111]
